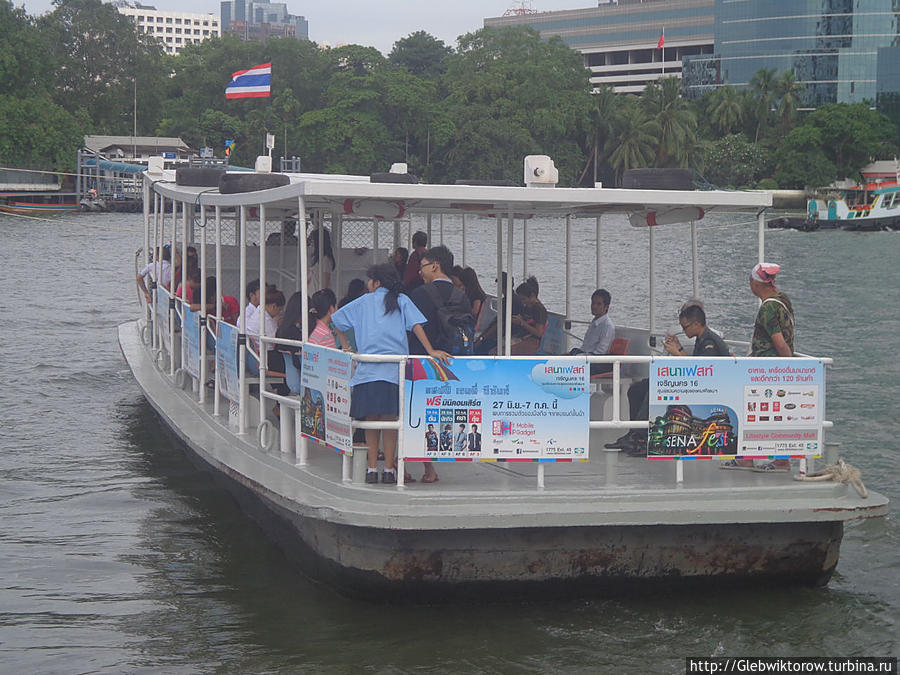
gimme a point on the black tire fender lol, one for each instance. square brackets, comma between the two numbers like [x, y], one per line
[198, 176]
[658, 179]
[233, 183]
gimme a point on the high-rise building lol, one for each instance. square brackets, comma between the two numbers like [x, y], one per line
[252, 20]
[174, 30]
[839, 50]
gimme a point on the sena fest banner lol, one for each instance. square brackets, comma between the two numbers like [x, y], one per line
[486, 409]
[748, 407]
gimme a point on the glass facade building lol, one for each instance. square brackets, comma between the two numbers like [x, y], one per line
[831, 46]
[839, 50]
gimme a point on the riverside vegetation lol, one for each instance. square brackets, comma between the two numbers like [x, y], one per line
[467, 112]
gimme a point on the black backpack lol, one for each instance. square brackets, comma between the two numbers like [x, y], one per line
[456, 324]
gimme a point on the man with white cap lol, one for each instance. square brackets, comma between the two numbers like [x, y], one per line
[773, 331]
[773, 335]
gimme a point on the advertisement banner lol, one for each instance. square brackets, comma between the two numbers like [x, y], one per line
[190, 341]
[227, 361]
[484, 409]
[325, 397]
[749, 407]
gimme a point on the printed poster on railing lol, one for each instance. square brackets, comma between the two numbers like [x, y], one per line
[163, 318]
[190, 341]
[325, 397]
[485, 409]
[749, 407]
[227, 361]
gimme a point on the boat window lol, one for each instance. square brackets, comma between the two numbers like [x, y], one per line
[891, 201]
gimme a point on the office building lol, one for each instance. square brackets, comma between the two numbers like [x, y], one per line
[251, 20]
[839, 50]
[174, 30]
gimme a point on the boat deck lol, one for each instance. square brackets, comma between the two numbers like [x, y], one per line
[611, 489]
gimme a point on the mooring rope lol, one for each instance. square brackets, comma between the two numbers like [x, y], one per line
[840, 473]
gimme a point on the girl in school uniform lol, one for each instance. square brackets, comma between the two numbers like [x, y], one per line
[380, 320]
[322, 305]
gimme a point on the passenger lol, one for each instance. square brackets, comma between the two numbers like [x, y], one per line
[315, 260]
[159, 271]
[192, 261]
[533, 319]
[400, 258]
[252, 300]
[436, 294]
[600, 334]
[473, 289]
[692, 319]
[193, 286]
[380, 320]
[272, 314]
[447, 439]
[321, 306]
[291, 326]
[486, 343]
[287, 236]
[231, 308]
[355, 289]
[773, 335]
[411, 278]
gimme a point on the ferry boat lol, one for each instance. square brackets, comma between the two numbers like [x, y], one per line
[865, 208]
[24, 208]
[537, 506]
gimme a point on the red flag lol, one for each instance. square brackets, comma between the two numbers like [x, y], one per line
[662, 40]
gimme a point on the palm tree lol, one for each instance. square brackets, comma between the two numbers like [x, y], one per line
[674, 118]
[763, 85]
[789, 92]
[632, 141]
[725, 110]
[604, 108]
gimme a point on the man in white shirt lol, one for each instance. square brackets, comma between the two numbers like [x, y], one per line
[252, 303]
[160, 272]
[601, 333]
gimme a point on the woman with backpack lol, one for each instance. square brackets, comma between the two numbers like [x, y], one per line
[380, 320]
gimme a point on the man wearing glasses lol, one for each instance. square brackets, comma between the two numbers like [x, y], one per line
[707, 343]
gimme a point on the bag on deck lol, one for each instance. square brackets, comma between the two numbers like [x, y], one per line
[456, 324]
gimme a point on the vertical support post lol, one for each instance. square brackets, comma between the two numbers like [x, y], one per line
[242, 329]
[303, 444]
[441, 228]
[761, 237]
[401, 424]
[599, 260]
[524, 249]
[203, 319]
[171, 308]
[320, 224]
[286, 430]
[428, 228]
[540, 476]
[346, 463]
[184, 258]
[154, 338]
[652, 302]
[464, 239]
[695, 261]
[263, 347]
[509, 285]
[500, 318]
[679, 471]
[568, 275]
[216, 401]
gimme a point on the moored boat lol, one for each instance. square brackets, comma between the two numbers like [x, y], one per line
[22, 208]
[541, 506]
[871, 207]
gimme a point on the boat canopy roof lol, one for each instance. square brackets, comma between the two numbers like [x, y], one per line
[331, 192]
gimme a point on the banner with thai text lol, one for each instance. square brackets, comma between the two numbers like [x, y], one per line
[486, 409]
[227, 361]
[749, 407]
[325, 397]
[190, 341]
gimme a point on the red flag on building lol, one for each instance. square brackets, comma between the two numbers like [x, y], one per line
[662, 39]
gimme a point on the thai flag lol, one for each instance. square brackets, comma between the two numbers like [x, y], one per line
[255, 82]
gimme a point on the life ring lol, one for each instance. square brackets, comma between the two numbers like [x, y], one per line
[265, 435]
[181, 376]
[145, 334]
[374, 208]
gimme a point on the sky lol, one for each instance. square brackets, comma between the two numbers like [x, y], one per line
[377, 23]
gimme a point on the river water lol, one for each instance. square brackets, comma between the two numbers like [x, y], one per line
[119, 556]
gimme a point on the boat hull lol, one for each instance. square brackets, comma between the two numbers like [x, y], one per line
[385, 544]
[871, 224]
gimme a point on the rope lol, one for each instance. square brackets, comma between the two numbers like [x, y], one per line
[840, 473]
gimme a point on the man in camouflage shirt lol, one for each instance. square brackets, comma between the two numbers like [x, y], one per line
[773, 332]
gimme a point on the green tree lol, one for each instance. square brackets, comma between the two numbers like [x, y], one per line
[421, 54]
[763, 85]
[511, 94]
[788, 91]
[852, 135]
[734, 161]
[674, 119]
[36, 133]
[801, 162]
[604, 107]
[632, 142]
[726, 110]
